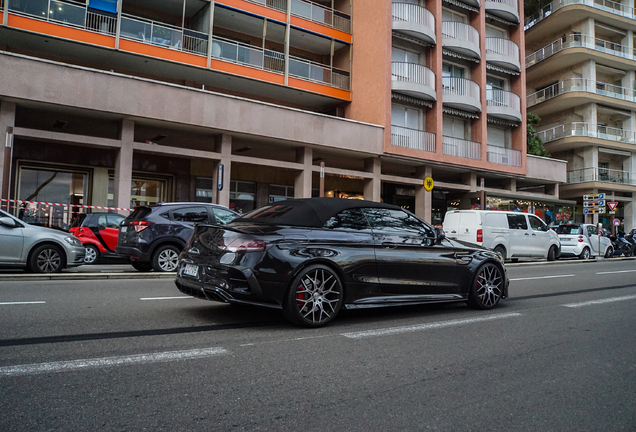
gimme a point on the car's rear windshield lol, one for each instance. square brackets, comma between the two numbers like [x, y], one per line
[140, 213]
[568, 229]
[77, 222]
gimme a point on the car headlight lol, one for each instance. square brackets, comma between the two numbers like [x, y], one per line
[73, 241]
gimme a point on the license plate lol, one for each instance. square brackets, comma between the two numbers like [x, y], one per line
[191, 270]
[124, 229]
[564, 239]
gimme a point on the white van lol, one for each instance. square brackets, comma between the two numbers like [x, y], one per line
[513, 234]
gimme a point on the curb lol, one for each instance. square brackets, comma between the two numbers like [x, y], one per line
[84, 276]
[568, 261]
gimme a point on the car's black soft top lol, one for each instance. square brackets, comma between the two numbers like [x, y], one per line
[305, 212]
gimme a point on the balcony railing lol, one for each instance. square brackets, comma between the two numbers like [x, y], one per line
[584, 85]
[152, 32]
[504, 156]
[247, 55]
[602, 175]
[604, 5]
[413, 13]
[321, 14]
[459, 30]
[412, 72]
[460, 87]
[461, 148]
[575, 41]
[279, 5]
[503, 98]
[412, 138]
[323, 74]
[579, 129]
[502, 46]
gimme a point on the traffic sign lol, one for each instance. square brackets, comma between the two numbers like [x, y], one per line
[617, 222]
[591, 197]
[593, 210]
[612, 205]
[595, 203]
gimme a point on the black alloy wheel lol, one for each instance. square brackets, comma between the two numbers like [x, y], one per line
[487, 288]
[166, 259]
[47, 259]
[609, 253]
[552, 253]
[585, 254]
[141, 266]
[314, 297]
[628, 252]
[92, 254]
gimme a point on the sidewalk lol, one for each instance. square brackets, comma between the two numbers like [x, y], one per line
[86, 272]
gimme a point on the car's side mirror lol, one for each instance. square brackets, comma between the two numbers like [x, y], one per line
[8, 222]
[101, 227]
[439, 235]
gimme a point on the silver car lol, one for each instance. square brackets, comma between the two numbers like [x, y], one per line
[39, 249]
[581, 240]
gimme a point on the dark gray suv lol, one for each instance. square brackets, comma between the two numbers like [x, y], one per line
[153, 236]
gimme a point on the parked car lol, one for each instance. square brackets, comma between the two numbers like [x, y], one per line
[512, 234]
[153, 236]
[99, 233]
[312, 257]
[36, 248]
[582, 240]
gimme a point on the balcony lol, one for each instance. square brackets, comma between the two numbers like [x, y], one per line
[503, 52]
[318, 14]
[611, 7]
[581, 85]
[579, 129]
[412, 138]
[473, 3]
[461, 38]
[414, 21]
[506, 9]
[504, 156]
[606, 175]
[461, 93]
[167, 36]
[503, 104]
[316, 72]
[414, 80]
[461, 148]
[579, 41]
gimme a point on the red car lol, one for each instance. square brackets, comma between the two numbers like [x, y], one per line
[98, 232]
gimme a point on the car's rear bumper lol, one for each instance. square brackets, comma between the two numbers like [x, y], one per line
[132, 252]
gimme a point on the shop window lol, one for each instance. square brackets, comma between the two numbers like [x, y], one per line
[242, 196]
[142, 191]
[204, 189]
[280, 193]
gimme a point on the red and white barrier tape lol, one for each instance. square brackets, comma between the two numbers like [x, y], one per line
[64, 205]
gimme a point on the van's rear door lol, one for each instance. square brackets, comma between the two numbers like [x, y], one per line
[451, 224]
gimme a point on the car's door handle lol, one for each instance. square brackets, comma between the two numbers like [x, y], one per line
[389, 245]
[527, 234]
[465, 259]
[533, 234]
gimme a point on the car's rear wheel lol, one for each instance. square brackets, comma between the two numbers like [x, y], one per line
[314, 297]
[487, 287]
[141, 266]
[628, 252]
[47, 259]
[585, 254]
[609, 252]
[166, 258]
[552, 253]
[92, 254]
[501, 251]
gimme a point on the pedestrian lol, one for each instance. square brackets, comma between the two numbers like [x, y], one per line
[547, 214]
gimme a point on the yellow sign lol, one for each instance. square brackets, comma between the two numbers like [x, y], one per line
[428, 184]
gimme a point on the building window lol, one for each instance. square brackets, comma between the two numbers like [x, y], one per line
[407, 117]
[280, 193]
[143, 191]
[455, 127]
[498, 137]
[204, 189]
[242, 196]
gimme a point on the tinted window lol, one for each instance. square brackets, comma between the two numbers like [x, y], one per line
[190, 214]
[537, 224]
[140, 213]
[224, 216]
[517, 222]
[268, 212]
[101, 220]
[351, 219]
[114, 220]
[396, 220]
[568, 229]
[77, 222]
[591, 230]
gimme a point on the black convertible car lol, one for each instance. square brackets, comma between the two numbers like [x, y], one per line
[311, 257]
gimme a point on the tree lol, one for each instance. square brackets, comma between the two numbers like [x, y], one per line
[535, 144]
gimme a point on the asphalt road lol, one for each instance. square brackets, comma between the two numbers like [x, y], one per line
[558, 355]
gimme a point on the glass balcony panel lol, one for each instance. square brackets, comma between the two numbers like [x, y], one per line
[135, 29]
[67, 13]
[35, 8]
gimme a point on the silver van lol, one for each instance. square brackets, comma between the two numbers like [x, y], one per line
[512, 234]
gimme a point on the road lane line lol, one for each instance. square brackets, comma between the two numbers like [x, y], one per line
[619, 271]
[543, 277]
[429, 326]
[594, 302]
[71, 365]
[166, 298]
[22, 303]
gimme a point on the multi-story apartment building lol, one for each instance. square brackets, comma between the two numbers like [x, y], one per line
[120, 102]
[580, 77]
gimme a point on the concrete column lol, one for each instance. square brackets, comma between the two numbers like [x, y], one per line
[587, 27]
[7, 122]
[628, 42]
[470, 179]
[628, 80]
[552, 189]
[372, 186]
[590, 117]
[511, 185]
[223, 146]
[99, 193]
[589, 70]
[124, 164]
[630, 215]
[302, 183]
[423, 199]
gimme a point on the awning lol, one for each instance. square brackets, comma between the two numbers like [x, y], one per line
[460, 112]
[462, 5]
[461, 56]
[503, 20]
[501, 69]
[411, 100]
[502, 122]
[411, 39]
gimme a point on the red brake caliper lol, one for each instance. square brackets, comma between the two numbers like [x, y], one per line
[301, 296]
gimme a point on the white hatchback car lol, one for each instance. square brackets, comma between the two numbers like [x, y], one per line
[582, 240]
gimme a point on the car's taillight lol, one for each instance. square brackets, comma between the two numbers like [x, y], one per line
[480, 236]
[245, 245]
[140, 225]
[580, 239]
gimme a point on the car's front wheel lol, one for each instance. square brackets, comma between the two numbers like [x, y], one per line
[92, 254]
[552, 253]
[314, 297]
[47, 259]
[487, 287]
[165, 259]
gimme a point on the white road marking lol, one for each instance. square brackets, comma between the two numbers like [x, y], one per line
[166, 298]
[619, 271]
[543, 277]
[594, 302]
[71, 365]
[429, 326]
[22, 303]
